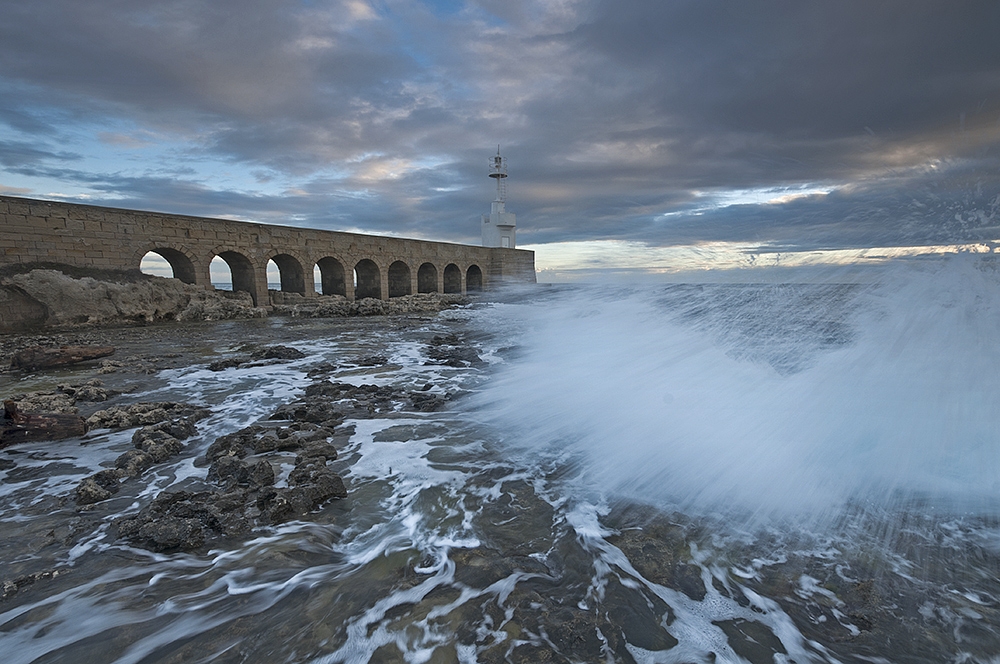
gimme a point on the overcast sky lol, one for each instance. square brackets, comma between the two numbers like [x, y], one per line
[637, 132]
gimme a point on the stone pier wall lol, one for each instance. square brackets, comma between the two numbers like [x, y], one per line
[36, 231]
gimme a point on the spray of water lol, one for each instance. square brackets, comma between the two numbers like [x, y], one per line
[778, 400]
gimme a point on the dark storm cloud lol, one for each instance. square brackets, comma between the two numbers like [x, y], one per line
[620, 119]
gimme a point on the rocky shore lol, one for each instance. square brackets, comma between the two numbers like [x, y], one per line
[262, 475]
[319, 471]
[52, 299]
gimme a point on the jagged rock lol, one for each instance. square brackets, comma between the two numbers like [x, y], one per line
[88, 491]
[231, 471]
[153, 443]
[309, 411]
[92, 391]
[427, 402]
[258, 357]
[71, 302]
[228, 363]
[277, 353]
[181, 521]
[451, 351]
[144, 413]
[46, 402]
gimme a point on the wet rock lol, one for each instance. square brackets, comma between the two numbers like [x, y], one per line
[242, 465]
[110, 366]
[183, 521]
[133, 463]
[7, 464]
[482, 566]
[258, 357]
[317, 450]
[322, 369]
[752, 640]
[372, 361]
[92, 391]
[46, 402]
[277, 353]
[639, 615]
[11, 587]
[661, 554]
[315, 411]
[88, 492]
[157, 443]
[238, 444]
[426, 402]
[153, 443]
[40, 357]
[232, 471]
[325, 401]
[450, 350]
[139, 414]
[228, 363]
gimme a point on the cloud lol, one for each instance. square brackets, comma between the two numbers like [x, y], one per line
[639, 121]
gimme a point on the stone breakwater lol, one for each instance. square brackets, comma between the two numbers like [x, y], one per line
[51, 299]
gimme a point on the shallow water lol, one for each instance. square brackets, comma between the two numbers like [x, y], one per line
[678, 474]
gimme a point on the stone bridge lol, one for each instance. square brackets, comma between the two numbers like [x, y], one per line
[350, 264]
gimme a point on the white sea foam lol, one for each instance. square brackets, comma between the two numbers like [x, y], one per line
[678, 406]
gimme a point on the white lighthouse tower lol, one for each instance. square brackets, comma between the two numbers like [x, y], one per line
[499, 226]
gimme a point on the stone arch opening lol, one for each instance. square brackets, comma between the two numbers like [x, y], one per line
[399, 279]
[427, 278]
[452, 278]
[367, 280]
[331, 277]
[242, 273]
[180, 266]
[290, 274]
[473, 279]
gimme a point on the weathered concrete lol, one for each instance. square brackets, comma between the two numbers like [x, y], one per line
[35, 231]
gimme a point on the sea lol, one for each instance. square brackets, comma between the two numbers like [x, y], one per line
[726, 472]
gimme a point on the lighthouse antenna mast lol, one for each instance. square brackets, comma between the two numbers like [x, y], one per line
[498, 171]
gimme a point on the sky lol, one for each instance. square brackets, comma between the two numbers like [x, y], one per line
[642, 137]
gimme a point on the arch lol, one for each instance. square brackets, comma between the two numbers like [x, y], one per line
[332, 276]
[243, 272]
[427, 278]
[452, 278]
[368, 281]
[292, 277]
[181, 264]
[473, 279]
[399, 279]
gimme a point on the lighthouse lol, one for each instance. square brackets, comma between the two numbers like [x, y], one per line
[499, 226]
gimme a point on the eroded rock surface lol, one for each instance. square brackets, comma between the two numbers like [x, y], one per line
[251, 492]
[66, 301]
[163, 425]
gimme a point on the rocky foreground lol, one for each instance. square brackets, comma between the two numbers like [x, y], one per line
[266, 474]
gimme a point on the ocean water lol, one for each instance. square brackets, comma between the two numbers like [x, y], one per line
[673, 473]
